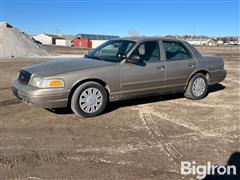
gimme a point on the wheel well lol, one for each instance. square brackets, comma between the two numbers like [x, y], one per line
[84, 81]
[204, 72]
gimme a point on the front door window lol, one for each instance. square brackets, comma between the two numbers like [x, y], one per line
[148, 51]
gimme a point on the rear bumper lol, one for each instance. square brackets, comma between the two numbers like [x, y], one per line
[45, 98]
[217, 76]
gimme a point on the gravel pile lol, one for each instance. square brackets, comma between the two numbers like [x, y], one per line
[15, 43]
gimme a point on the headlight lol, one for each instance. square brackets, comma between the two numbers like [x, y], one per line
[46, 83]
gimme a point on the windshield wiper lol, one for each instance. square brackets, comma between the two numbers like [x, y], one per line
[93, 57]
[87, 56]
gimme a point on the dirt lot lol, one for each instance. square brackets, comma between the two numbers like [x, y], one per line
[65, 50]
[137, 139]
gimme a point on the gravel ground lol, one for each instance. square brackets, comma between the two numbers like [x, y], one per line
[136, 139]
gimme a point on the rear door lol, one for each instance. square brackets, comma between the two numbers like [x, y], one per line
[179, 64]
[147, 76]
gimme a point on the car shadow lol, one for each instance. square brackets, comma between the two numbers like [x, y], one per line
[60, 111]
[140, 101]
[234, 160]
[215, 87]
[146, 100]
[137, 101]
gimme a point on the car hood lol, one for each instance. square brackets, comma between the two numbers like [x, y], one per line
[54, 67]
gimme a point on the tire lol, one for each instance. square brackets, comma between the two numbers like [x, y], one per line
[197, 87]
[89, 99]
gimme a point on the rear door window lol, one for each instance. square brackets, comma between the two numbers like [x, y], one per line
[176, 51]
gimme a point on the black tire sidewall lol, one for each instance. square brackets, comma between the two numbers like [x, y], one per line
[76, 95]
[199, 75]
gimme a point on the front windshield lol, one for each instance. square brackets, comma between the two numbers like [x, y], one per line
[113, 50]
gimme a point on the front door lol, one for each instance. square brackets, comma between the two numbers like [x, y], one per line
[147, 76]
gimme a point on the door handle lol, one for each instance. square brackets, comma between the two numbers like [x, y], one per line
[161, 67]
[191, 65]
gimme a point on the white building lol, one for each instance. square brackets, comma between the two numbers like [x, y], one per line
[66, 40]
[233, 43]
[220, 42]
[211, 42]
[63, 42]
[49, 39]
[197, 42]
[96, 43]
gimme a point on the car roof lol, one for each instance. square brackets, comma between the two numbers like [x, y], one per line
[145, 38]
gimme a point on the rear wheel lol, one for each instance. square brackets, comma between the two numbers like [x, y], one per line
[197, 87]
[89, 99]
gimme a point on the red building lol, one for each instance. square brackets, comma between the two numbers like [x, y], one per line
[82, 43]
[86, 40]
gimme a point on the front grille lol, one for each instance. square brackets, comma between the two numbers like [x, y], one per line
[24, 76]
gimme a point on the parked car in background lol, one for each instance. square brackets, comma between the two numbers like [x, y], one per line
[119, 69]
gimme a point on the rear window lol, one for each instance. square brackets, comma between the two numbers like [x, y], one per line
[176, 51]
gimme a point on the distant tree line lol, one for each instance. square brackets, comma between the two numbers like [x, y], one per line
[224, 39]
[133, 32]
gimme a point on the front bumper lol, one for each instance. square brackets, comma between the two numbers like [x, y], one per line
[45, 98]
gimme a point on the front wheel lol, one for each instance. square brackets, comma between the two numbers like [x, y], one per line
[197, 87]
[89, 99]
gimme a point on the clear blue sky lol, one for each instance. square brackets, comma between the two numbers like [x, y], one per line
[148, 17]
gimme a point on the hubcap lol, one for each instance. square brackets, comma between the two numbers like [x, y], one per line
[90, 100]
[198, 87]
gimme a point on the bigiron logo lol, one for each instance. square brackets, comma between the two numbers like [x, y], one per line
[201, 171]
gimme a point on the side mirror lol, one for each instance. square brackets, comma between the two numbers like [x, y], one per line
[135, 59]
[121, 56]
